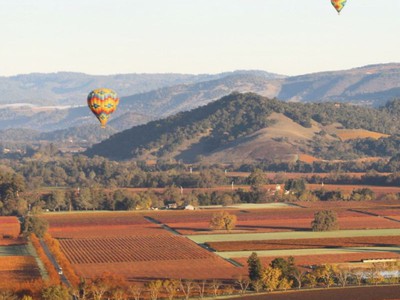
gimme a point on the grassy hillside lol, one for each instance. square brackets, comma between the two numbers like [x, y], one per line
[250, 127]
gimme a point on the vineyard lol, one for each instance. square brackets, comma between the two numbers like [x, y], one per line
[17, 270]
[133, 247]
[364, 241]
[151, 244]
[350, 216]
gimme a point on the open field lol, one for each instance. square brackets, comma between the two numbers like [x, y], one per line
[353, 293]
[361, 241]
[9, 231]
[17, 269]
[350, 216]
[148, 244]
[14, 250]
[133, 247]
[351, 134]
[311, 252]
[327, 258]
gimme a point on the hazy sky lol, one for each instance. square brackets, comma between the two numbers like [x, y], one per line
[195, 36]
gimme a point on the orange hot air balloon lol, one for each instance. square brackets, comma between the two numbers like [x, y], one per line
[102, 102]
[338, 4]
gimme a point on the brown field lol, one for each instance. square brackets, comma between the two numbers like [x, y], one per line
[133, 247]
[139, 245]
[308, 158]
[368, 241]
[280, 219]
[17, 269]
[353, 293]
[351, 134]
[9, 228]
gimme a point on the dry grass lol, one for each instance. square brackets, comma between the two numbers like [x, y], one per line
[307, 158]
[351, 134]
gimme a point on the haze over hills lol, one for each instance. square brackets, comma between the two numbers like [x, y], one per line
[68, 88]
[146, 97]
[371, 85]
[244, 128]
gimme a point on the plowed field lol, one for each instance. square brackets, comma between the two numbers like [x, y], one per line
[365, 241]
[17, 269]
[350, 216]
[131, 246]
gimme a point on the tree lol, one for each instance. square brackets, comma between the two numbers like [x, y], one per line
[215, 285]
[170, 287]
[256, 180]
[299, 275]
[325, 220]
[84, 199]
[286, 266]
[201, 288]
[325, 274]
[55, 292]
[342, 275]
[186, 287]
[154, 288]
[135, 291]
[271, 278]
[255, 267]
[296, 186]
[243, 283]
[34, 225]
[223, 220]
[56, 200]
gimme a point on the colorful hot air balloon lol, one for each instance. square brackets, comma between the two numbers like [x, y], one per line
[102, 102]
[338, 4]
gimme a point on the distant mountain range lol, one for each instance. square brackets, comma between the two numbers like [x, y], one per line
[67, 88]
[146, 97]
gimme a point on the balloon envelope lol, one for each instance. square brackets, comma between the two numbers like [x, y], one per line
[102, 102]
[338, 4]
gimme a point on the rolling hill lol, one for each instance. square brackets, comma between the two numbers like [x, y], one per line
[247, 127]
[146, 97]
[370, 85]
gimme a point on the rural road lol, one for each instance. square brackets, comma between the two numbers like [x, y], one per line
[55, 263]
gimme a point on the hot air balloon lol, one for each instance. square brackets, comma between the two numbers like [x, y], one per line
[338, 4]
[102, 102]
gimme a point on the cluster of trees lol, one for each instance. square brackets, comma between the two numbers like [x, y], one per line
[280, 274]
[13, 201]
[11, 186]
[283, 274]
[390, 164]
[81, 171]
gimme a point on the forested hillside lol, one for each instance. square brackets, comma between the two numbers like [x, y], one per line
[237, 119]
